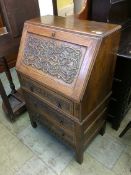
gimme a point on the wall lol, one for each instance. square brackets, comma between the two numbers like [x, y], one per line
[65, 7]
[63, 3]
[46, 7]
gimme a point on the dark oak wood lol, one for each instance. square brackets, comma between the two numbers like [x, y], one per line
[121, 98]
[111, 11]
[71, 93]
[6, 101]
[8, 74]
[13, 15]
[1, 22]
[55, 7]
[13, 104]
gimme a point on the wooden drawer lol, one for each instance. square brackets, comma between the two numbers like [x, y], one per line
[51, 114]
[58, 124]
[58, 101]
[60, 132]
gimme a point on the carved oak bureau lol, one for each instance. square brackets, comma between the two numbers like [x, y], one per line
[65, 67]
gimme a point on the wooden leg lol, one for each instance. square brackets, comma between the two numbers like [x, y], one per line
[33, 124]
[116, 121]
[126, 129]
[32, 120]
[6, 102]
[79, 151]
[79, 156]
[116, 125]
[103, 129]
[8, 74]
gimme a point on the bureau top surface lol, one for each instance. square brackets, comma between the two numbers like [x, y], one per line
[59, 54]
[75, 25]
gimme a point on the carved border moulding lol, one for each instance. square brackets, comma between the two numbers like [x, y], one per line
[56, 58]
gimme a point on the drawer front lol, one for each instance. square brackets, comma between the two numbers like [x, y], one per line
[60, 102]
[51, 114]
[59, 132]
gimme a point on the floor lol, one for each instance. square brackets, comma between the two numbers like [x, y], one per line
[28, 151]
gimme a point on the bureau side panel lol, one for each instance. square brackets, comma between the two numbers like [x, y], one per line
[100, 82]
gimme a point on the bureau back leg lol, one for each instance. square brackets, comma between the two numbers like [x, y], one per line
[103, 129]
[33, 124]
[79, 155]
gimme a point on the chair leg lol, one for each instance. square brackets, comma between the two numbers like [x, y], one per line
[6, 102]
[8, 74]
[126, 129]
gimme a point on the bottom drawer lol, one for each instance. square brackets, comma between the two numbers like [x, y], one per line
[58, 132]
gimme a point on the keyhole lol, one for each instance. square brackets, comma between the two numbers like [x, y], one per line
[59, 105]
[53, 34]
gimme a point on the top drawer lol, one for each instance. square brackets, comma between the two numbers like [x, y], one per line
[58, 101]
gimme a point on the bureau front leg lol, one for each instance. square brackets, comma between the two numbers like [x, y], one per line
[33, 124]
[79, 151]
[32, 119]
[79, 154]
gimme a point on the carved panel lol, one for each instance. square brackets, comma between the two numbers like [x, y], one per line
[56, 58]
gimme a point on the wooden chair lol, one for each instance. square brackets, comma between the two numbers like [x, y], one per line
[6, 101]
[11, 109]
[13, 15]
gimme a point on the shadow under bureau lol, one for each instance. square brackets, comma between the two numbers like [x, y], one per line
[65, 67]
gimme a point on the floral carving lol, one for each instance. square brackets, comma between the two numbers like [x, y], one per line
[56, 58]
